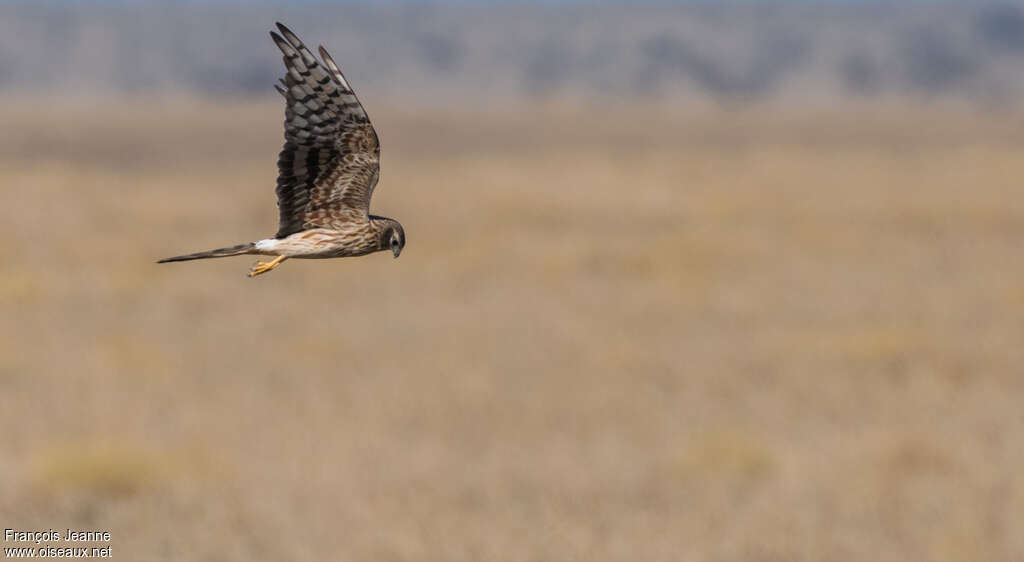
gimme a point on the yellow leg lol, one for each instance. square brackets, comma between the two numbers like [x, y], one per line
[263, 267]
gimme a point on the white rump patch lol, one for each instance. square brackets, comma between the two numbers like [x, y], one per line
[267, 245]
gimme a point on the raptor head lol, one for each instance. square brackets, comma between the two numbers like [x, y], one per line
[392, 236]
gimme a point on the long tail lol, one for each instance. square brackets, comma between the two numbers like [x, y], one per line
[218, 253]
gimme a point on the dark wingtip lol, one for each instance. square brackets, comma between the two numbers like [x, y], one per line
[284, 30]
[323, 53]
[282, 44]
[289, 35]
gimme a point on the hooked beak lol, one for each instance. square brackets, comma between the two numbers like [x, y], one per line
[396, 250]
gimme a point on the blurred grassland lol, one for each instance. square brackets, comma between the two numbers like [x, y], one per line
[614, 334]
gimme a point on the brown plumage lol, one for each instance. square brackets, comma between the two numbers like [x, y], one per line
[327, 169]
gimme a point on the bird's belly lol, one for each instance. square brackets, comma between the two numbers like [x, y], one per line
[319, 244]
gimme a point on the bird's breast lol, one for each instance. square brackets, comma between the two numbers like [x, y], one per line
[328, 243]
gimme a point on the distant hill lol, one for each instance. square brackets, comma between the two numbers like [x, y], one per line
[437, 53]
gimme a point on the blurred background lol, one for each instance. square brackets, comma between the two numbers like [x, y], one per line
[701, 281]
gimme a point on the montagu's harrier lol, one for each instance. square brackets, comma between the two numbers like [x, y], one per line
[326, 172]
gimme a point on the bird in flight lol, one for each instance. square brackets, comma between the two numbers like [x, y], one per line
[326, 172]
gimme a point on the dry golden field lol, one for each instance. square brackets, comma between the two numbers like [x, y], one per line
[614, 334]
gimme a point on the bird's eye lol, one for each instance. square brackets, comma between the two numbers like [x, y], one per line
[394, 242]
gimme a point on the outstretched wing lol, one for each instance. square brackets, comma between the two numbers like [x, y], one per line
[331, 158]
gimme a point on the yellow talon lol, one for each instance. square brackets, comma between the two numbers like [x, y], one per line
[264, 266]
